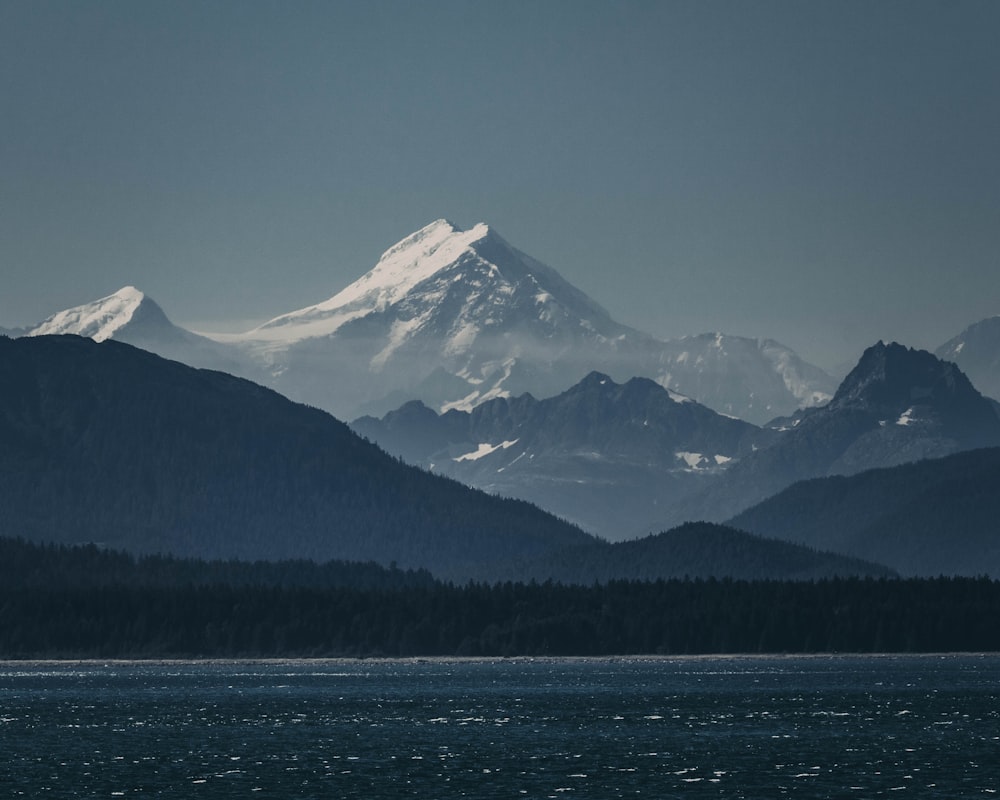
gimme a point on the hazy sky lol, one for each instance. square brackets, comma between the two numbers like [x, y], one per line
[824, 173]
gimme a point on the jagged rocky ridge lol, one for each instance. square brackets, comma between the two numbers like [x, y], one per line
[624, 460]
[609, 457]
[897, 405]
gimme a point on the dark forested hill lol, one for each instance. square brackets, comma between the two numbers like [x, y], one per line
[85, 602]
[933, 517]
[109, 444]
[700, 550]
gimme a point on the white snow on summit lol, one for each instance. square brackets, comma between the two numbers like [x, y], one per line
[98, 320]
[402, 267]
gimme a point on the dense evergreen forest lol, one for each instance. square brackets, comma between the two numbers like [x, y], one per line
[86, 603]
[27, 565]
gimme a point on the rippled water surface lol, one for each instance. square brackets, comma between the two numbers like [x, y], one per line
[700, 727]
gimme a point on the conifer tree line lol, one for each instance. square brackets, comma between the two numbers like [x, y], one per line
[99, 609]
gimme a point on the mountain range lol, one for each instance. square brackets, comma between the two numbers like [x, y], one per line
[897, 405]
[623, 460]
[455, 318]
[610, 457]
[464, 334]
[104, 443]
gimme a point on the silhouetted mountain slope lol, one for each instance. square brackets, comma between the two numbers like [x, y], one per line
[933, 517]
[700, 550]
[606, 456]
[106, 443]
[897, 405]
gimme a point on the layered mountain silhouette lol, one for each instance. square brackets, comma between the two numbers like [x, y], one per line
[897, 405]
[454, 318]
[104, 443]
[626, 459]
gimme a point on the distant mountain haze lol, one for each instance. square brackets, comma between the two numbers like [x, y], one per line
[454, 318]
[622, 460]
[976, 350]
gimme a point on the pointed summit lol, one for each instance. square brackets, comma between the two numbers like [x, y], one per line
[890, 377]
[133, 317]
[98, 320]
[410, 261]
[455, 317]
[401, 268]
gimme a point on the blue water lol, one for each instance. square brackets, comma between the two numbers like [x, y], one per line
[924, 726]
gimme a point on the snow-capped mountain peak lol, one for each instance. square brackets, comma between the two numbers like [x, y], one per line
[455, 318]
[409, 262]
[98, 320]
[401, 268]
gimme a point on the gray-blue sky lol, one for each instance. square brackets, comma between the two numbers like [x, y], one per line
[827, 174]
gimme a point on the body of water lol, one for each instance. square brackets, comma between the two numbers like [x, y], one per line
[841, 726]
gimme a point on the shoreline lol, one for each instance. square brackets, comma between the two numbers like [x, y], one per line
[355, 660]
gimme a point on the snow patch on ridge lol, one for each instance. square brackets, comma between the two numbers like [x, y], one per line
[696, 462]
[485, 449]
[693, 460]
[476, 397]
